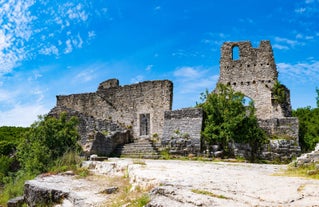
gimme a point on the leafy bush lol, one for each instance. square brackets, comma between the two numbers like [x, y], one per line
[47, 140]
[228, 120]
[49, 144]
[308, 127]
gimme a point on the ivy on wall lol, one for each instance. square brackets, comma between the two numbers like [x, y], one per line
[279, 93]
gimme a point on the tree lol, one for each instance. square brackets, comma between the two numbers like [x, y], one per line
[308, 127]
[48, 139]
[228, 120]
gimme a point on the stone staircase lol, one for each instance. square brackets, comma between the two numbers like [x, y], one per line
[140, 148]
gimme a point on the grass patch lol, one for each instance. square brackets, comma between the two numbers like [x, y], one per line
[204, 192]
[307, 171]
[127, 195]
[164, 154]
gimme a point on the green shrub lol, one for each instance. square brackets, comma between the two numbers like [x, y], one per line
[46, 141]
[227, 119]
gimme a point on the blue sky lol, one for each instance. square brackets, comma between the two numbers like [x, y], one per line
[50, 47]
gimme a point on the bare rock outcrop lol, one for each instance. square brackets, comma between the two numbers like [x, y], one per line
[308, 158]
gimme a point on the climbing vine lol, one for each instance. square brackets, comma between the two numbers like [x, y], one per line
[279, 93]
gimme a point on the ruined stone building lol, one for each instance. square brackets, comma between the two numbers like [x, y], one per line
[253, 72]
[142, 113]
[139, 107]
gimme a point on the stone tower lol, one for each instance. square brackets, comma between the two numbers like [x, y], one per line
[253, 72]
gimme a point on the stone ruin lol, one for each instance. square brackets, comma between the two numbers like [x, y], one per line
[115, 115]
[252, 71]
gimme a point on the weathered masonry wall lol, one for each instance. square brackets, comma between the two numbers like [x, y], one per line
[254, 74]
[182, 131]
[126, 105]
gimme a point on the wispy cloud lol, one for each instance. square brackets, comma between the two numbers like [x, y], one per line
[302, 72]
[15, 30]
[30, 28]
[49, 50]
[17, 116]
[192, 79]
[300, 10]
[285, 43]
[149, 67]
[137, 79]
[190, 82]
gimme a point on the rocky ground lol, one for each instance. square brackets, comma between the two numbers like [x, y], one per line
[186, 183]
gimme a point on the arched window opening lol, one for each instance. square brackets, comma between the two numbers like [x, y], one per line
[247, 101]
[235, 53]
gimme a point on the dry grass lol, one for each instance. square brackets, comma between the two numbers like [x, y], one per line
[308, 171]
[126, 195]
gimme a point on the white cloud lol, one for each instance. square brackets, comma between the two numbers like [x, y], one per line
[285, 43]
[301, 72]
[22, 115]
[280, 47]
[300, 10]
[77, 12]
[14, 32]
[189, 72]
[149, 67]
[137, 79]
[190, 82]
[91, 34]
[51, 50]
[194, 79]
[69, 47]
[85, 76]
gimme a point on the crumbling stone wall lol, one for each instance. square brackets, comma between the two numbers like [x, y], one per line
[126, 105]
[97, 136]
[254, 74]
[182, 131]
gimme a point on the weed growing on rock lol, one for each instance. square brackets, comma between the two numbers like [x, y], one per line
[204, 192]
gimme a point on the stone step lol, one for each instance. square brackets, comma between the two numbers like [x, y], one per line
[137, 149]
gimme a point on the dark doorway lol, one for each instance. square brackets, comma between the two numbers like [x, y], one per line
[144, 124]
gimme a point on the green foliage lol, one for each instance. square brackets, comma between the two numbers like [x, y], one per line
[165, 154]
[49, 144]
[47, 140]
[14, 186]
[11, 133]
[69, 161]
[7, 147]
[10, 137]
[308, 127]
[228, 120]
[279, 93]
[5, 163]
[140, 201]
